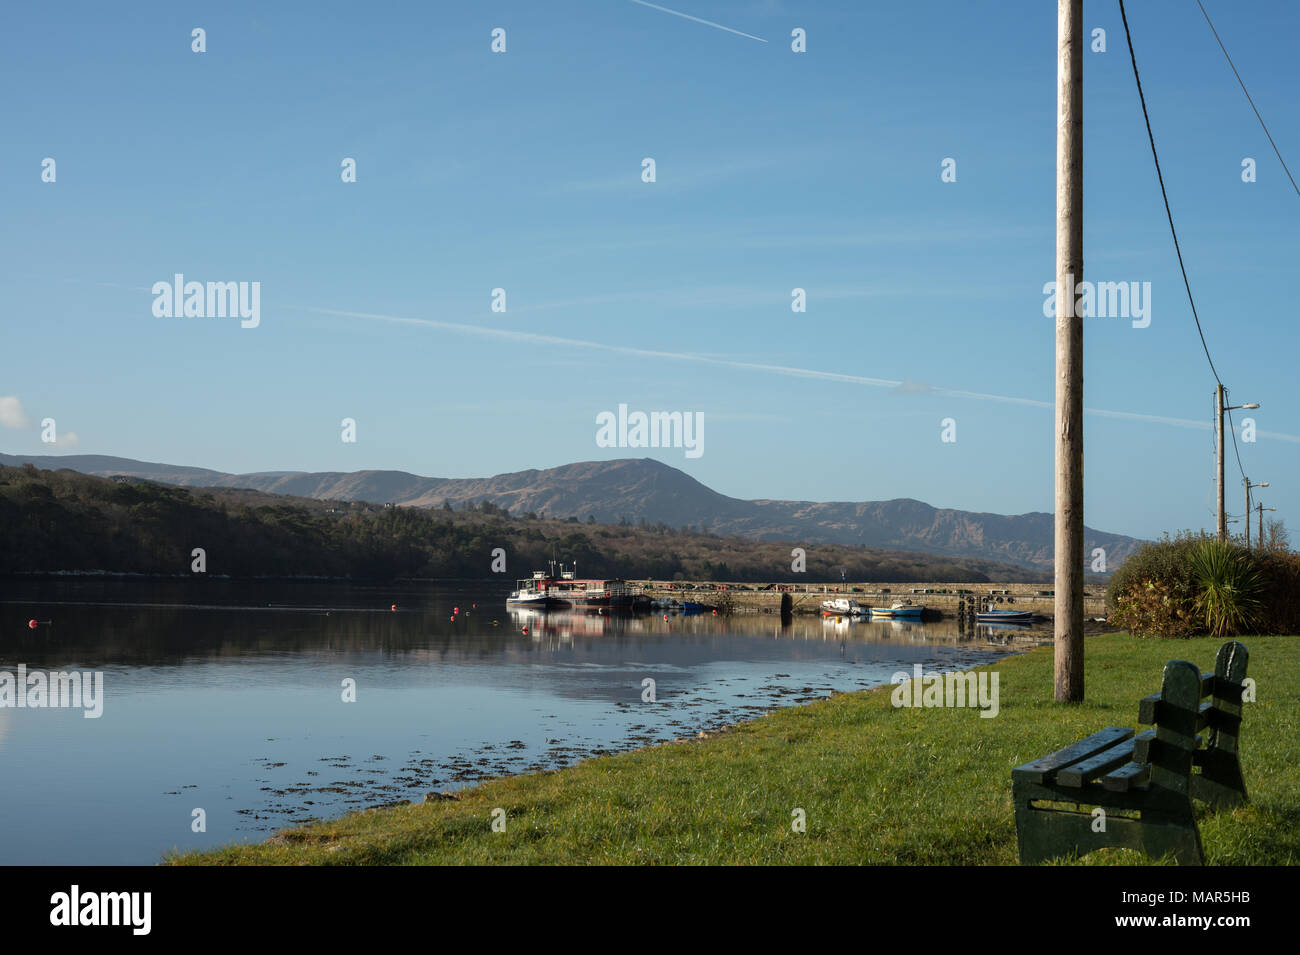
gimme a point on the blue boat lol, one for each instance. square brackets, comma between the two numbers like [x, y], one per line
[1004, 616]
[902, 608]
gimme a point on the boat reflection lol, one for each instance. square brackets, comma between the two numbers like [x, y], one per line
[564, 626]
[1004, 634]
[944, 631]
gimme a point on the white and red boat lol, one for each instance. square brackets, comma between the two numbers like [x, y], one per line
[547, 590]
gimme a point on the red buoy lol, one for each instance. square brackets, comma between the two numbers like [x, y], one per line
[525, 631]
[31, 624]
[394, 606]
[455, 610]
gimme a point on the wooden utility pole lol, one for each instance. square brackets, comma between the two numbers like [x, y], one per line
[1262, 509]
[1246, 481]
[1218, 460]
[1069, 556]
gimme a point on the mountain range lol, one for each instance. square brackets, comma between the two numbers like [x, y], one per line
[637, 489]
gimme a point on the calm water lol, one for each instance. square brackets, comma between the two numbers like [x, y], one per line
[228, 697]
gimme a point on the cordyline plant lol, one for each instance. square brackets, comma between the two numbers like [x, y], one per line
[1229, 587]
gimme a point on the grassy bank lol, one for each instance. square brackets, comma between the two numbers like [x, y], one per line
[878, 784]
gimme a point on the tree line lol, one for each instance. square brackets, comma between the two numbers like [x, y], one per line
[52, 521]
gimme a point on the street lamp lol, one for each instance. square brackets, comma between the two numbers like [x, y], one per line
[1246, 481]
[1262, 509]
[1219, 409]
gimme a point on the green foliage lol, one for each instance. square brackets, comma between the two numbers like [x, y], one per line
[1280, 570]
[1228, 585]
[1154, 608]
[1193, 584]
[1153, 593]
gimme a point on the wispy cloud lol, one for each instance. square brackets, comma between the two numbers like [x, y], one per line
[762, 234]
[721, 296]
[707, 23]
[908, 386]
[671, 178]
[12, 414]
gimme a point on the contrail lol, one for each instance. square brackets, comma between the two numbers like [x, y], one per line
[514, 335]
[521, 336]
[707, 23]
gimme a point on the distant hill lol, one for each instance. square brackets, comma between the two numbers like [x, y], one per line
[645, 489]
[65, 522]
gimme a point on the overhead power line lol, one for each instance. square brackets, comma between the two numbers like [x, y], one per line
[1276, 151]
[1172, 230]
[1164, 195]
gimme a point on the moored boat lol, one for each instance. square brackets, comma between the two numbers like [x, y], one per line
[1004, 616]
[899, 608]
[843, 607]
[534, 592]
[547, 589]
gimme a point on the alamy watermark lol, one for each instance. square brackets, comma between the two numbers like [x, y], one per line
[75, 907]
[1102, 300]
[53, 689]
[181, 299]
[658, 429]
[969, 689]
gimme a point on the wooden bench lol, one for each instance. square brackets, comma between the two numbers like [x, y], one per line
[1151, 774]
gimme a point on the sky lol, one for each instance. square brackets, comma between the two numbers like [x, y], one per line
[774, 170]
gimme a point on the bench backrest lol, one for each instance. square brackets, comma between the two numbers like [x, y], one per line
[1190, 701]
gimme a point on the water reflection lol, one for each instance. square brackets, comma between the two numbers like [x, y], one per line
[948, 630]
[227, 696]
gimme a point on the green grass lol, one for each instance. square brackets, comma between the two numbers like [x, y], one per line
[879, 784]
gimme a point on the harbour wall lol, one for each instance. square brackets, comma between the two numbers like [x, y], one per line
[807, 598]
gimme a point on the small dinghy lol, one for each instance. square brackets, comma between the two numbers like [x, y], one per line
[1004, 616]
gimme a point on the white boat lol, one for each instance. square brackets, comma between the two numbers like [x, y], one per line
[550, 589]
[534, 592]
[843, 607]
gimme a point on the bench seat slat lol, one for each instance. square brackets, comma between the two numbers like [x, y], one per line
[1087, 769]
[1127, 777]
[1142, 744]
[1042, 769]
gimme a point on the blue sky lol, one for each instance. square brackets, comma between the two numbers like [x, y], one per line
[522, 170]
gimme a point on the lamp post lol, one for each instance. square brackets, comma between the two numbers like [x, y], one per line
[1246, 481]
[1262, 509]
[1219, 409]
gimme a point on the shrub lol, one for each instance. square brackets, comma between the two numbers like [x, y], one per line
[1153, 594]
[1192, 584]
[1280, 570]
[1152, 608]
